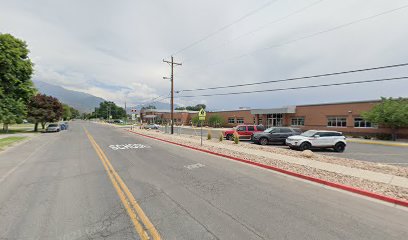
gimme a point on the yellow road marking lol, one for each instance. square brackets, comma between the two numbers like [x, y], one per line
[133, 209]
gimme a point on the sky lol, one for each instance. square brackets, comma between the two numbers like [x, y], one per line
[115, 49]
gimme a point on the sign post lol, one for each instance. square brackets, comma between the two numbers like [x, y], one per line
[201, 118]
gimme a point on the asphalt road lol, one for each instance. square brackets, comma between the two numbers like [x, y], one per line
[365, 152]
[56, 187]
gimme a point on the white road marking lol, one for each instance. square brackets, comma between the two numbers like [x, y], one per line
[193, 166]
[127, 146]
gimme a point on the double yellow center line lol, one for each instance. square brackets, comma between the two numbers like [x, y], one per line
[142, 224]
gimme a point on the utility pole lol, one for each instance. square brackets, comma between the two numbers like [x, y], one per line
[172, 63]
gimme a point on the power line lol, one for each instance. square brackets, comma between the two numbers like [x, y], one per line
[304, 37]
[224, 27]
[302, 9]
[294, 88]
[299, 78]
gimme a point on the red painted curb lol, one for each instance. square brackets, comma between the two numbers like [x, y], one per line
[294, 174]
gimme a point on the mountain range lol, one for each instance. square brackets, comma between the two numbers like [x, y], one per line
[83, 102]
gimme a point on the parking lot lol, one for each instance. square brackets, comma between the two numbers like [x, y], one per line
[359, 151]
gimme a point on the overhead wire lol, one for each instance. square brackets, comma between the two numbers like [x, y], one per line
[295, 88]
[299, 78]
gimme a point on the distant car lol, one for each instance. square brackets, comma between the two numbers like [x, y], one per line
[274, 135]
[318, 139]
[151, 126]
[117, 121]
[64, 125]
[244, 131]
[53, 127]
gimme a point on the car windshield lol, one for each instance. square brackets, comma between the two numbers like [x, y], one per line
[53, 125]
[270, 130]
[308, 133]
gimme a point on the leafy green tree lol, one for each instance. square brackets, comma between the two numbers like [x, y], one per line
[66, 112]
[75, 113]
[107, 108]
[196, 107]
[215, 120]
[16, 87]
[194, 120]
[180, 108]
[43, 109]
[149, 107]
[391, 113]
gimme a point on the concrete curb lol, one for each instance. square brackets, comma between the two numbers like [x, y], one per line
[294, 174]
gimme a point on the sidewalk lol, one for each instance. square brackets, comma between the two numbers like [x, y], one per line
[360, 173]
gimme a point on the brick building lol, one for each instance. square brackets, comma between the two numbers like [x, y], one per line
[342, 116]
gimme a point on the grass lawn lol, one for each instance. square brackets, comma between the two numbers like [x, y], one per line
[4, 142]
[20, 128]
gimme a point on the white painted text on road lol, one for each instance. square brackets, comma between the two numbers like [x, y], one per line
[127, 146]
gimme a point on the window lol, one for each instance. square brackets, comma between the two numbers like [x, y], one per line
[361, 123]
[336, 122]
[251, 128]
[298, 121]
[231, 120]
[241, 128]
[285, 130]
[240, 120]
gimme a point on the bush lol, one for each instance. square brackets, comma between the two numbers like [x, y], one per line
[383, 136]
[236, 138]
[221, 137]
[215, 120]
[209, 135]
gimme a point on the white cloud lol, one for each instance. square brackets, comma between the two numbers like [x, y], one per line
[114, 49]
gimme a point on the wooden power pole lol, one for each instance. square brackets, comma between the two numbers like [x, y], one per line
[172, 63]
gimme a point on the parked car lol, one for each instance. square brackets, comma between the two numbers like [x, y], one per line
[53, 127]
[244, 131]
[151, 126]
[274, 135]
[318, 139]
[117, 121]
[63, 125]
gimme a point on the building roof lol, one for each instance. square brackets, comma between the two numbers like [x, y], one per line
[290, 109]
[336, 103]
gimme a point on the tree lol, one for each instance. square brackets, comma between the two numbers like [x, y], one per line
[43, 109]
[66, 112]
[16, 87]
[109, 108]
[392, 113]
[149, 107]
[180, 108]
[75, 113]
[215, 120]
[194, 120]
[196, 107]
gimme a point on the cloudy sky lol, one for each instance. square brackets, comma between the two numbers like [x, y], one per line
[114, 49]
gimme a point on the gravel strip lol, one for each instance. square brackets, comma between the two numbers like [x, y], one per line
[376, 187]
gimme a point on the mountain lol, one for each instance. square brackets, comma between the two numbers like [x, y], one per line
[83, 102]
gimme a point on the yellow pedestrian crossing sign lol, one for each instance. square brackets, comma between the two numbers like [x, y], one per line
[201, 114]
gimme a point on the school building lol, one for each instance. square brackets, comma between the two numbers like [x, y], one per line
[341, 116]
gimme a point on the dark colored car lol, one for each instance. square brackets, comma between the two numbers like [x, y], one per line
[274, 135]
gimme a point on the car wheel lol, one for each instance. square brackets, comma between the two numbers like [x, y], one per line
[263, 141]
[305, 146]
[340, 147]
[58, 130]
[229, 137]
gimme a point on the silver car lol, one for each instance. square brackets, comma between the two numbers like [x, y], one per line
[53, 127]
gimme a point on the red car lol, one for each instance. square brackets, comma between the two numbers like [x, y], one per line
[244, 131]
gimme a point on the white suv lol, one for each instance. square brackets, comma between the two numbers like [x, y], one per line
[318, 139]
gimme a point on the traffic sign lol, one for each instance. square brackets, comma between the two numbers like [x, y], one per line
[201, 114]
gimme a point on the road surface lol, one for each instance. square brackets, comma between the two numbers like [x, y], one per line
[57, 187]
[365, 152]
